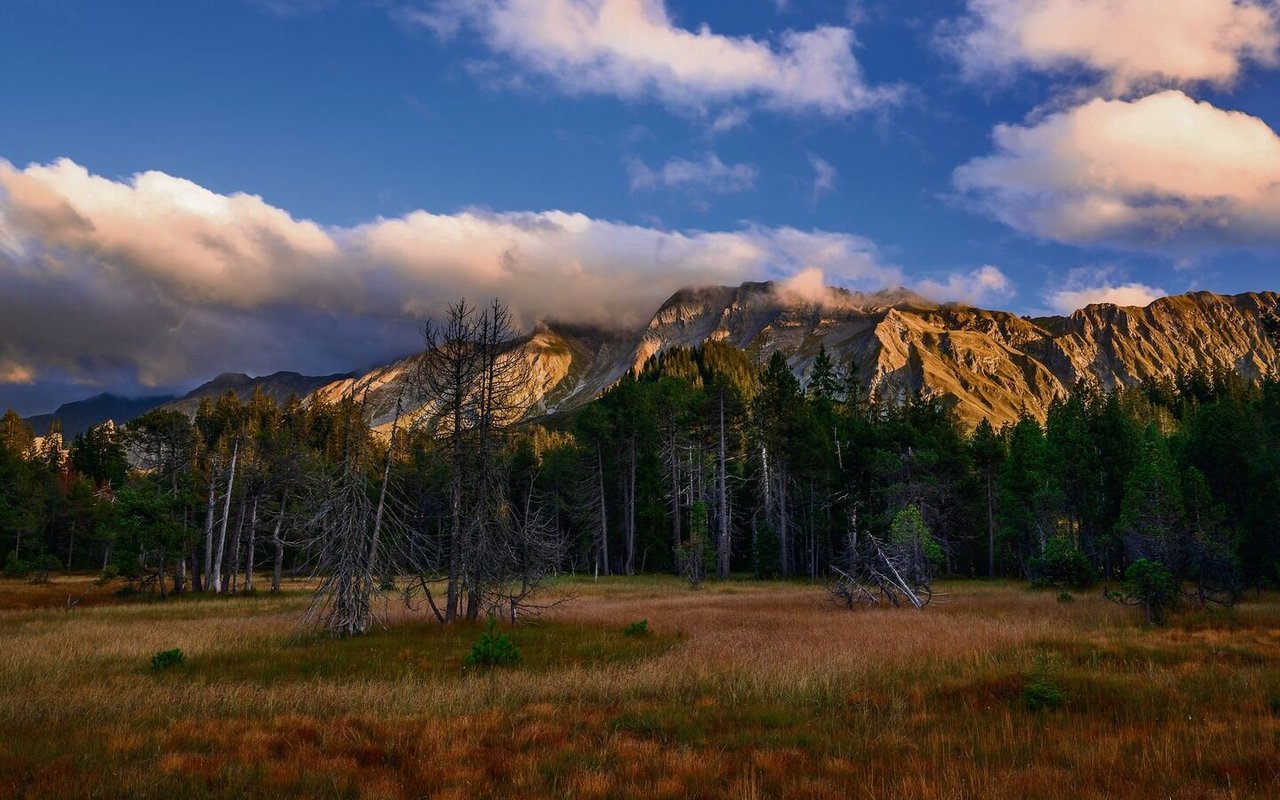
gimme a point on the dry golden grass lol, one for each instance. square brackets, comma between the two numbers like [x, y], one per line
[742, 690]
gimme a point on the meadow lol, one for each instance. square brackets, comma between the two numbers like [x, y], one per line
[739, 689]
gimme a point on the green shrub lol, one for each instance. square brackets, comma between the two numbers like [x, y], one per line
[1042, 691]
[1151, 585]
[493, 648]
[1065, 597]
[637, 628]
[15, 567]
[41, 567]
[1063, 564]
[166, 659]
[109, 573]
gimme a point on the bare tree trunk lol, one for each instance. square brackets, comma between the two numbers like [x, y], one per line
[631, 506]
[206, 577]
[784, 523]
[226, 515]
[604, 527]
[278, 567]
[673, 457]
[371, 560]
[722, 549]
[991, 531]
[233, 557]
[252, 548]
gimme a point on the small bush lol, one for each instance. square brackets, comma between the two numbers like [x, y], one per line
[15, 567]
[1151, 585]
[1042, 692]
[109, 573]
[166, 659]
[42, 567]
[637, 628]
[493, 648]
[1063, 564]
[1065, 597]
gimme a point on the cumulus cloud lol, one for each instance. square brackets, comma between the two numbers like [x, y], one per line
[982, 285]
[633, 49]
[154, 281]
[1129, 44]
[1064, 301]
[1162, 173]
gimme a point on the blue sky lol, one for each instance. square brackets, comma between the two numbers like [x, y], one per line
[325, 173]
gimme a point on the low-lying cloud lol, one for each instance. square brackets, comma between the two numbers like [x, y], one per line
[154, 281]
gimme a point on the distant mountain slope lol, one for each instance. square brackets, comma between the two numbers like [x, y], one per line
[280, 386]
[82, 415]
[986, 364]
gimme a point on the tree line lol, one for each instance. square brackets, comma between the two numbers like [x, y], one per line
[701, 463]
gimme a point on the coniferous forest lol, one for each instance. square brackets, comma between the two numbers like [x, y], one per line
[701, 464]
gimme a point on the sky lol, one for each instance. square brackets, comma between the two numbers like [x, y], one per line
[194, 187]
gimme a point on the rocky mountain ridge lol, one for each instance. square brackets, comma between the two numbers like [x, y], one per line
[986, 364]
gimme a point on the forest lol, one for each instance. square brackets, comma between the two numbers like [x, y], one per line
[700, 464]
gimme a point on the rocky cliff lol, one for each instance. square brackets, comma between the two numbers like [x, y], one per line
[987, 364]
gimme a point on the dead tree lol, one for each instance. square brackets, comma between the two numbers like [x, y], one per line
[896, 571]
[355, 541]
[472, 382]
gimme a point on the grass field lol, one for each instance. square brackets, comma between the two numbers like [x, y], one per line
[741, 690]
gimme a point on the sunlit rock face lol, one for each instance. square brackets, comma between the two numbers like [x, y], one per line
[985, 364]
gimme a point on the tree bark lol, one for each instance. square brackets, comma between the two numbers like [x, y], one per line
[604, 527]
[631, 506]
[673, 457]
[233, 557]
[278, 567]
[991, 531]
[722, 551]
[252, 548]
[226, 515]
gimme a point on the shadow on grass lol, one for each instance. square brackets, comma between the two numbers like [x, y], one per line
[419, 650]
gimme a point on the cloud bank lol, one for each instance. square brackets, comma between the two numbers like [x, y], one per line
[1128, 44]
[633, 49]
[155, 281]
[1163, 173]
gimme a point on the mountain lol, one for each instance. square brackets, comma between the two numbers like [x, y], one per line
[985, 364]
[82, 415]
[280, 386]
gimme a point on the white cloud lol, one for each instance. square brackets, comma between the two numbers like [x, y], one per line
[982, 285]
[1130, 44]
[707, 174]
[155, 280]
[1162, 173]
[824, 177]
[1065, 301]
[728, 120]
[633, 49]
